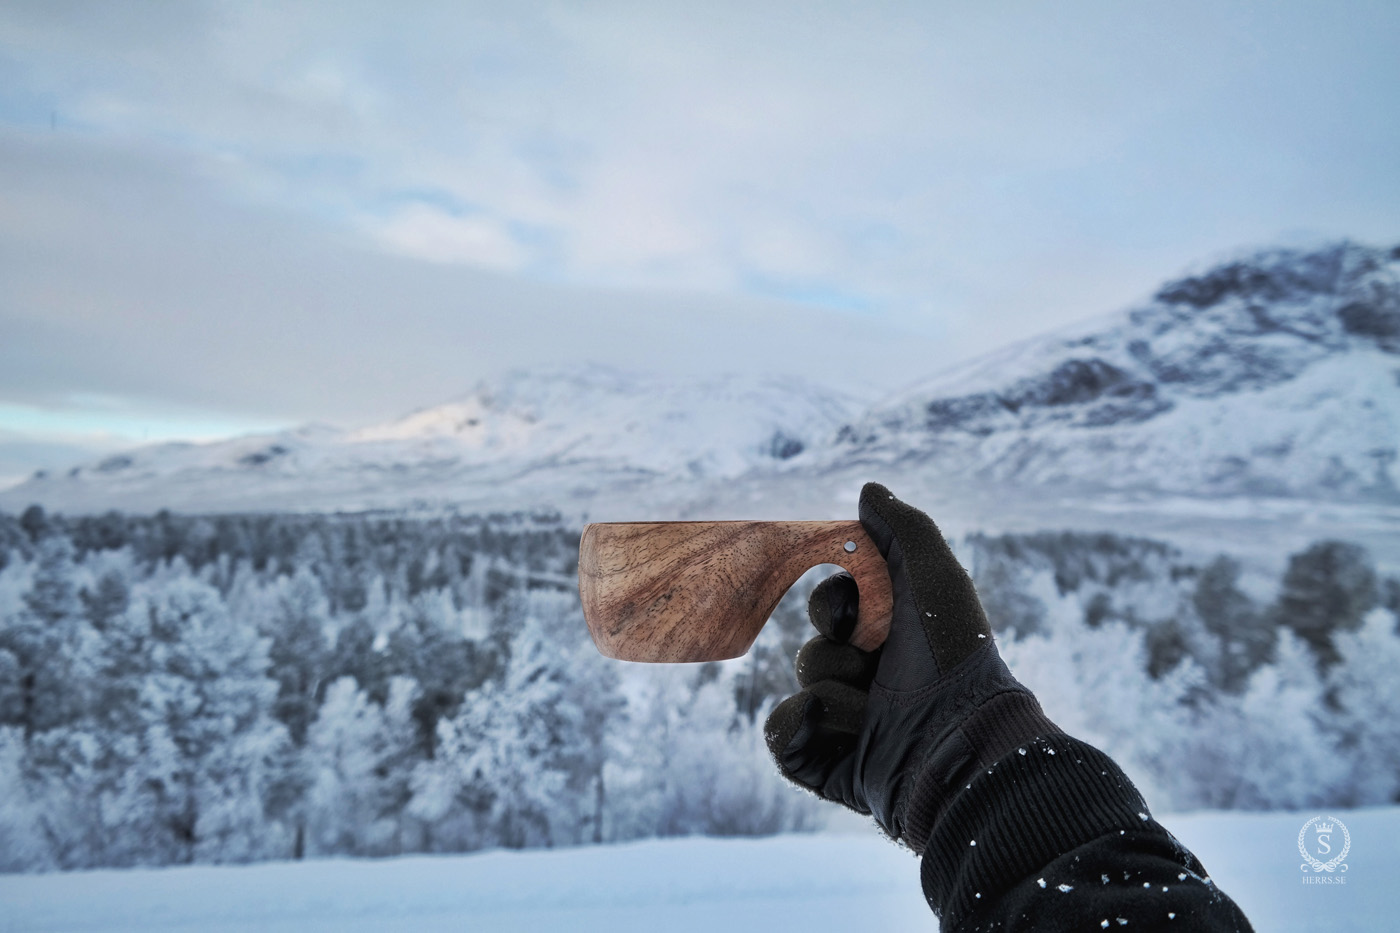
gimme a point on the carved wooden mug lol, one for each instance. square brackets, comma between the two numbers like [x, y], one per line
[701, 591]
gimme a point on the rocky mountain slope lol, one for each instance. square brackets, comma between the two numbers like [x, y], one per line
[1278, 374]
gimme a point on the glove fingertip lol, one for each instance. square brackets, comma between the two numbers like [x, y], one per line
[893, 518]
[786, 720]
[811, 736]
[872, 492]
[834, 607]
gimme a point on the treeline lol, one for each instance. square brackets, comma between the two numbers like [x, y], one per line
[1186, 611]
[187, 689]
[179, 689]
[1211, 697]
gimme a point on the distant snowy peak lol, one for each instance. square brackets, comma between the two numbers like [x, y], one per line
[546, 435]
[1273, 374]
[714, 426]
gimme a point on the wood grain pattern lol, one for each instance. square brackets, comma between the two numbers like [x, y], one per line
[701, 591]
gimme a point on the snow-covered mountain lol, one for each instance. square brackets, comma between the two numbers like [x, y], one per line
[1278, 374]
[531, 438]
[1275, 375]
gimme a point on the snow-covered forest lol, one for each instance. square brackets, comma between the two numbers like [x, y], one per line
[178, 689]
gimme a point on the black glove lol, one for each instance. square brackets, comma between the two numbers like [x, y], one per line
[897, 732]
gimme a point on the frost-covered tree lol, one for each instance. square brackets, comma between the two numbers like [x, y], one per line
[720, 780]
[53, 597]
[200, 738]
[452, 804]
[1327, 589]
[521, 763]
[49, 644]
[359, 756]
[1245, 633]
[593, 696]
[295, 623]
[34, 522]
[429, 647]
[1273, 747]
[12, 687]
[1001, 585]
[1367, 692]
[1094, 683]
[515, 735]
[23, 843]
[690, 761]
[357, 654]
[105, 600]
[67, 770]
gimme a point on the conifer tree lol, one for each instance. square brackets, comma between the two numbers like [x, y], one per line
[1367, 694]
[1327, 588]
[202, 739]
[359, 756]
[1245, 633]
[50, 644]
[298, 652]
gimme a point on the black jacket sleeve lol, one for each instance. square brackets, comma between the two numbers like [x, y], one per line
[1054, 836]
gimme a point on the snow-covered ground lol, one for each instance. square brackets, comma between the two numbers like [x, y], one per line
[833, 881]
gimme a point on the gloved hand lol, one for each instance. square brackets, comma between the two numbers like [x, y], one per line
[897, 732]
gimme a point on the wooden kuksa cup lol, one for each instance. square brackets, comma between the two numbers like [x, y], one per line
[701, 591]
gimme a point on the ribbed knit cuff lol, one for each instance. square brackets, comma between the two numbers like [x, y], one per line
[1039, 801]
[992, 730]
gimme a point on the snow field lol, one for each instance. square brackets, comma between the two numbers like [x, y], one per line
[699, 884]
[831, 881]
[1254, 858]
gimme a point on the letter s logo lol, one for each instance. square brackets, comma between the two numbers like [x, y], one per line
[1322, 844]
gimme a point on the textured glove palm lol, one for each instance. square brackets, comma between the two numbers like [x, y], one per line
[896, 732]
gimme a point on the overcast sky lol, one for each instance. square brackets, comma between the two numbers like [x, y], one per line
[219, 217]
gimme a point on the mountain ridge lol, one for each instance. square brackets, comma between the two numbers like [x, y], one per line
[1241, 344]
[563, 433]
[1273, 374]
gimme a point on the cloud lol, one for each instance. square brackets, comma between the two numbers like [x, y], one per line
[663, 145]
[126, 277]
[426, 232]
